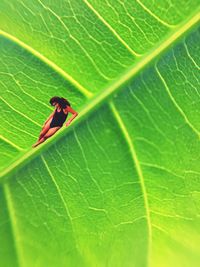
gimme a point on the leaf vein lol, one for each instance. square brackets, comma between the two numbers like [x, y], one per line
[107, 92]
[20, 113]
[139, 172]
[48, 62]
[13, 224]
[11, 143]
[176, 104]
[111, 29]
[155, 16]
[60, 195]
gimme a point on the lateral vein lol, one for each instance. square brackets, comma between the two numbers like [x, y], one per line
[50, 63]
[176, 104]
[106, 93]
[112, 30]
[13, 223]
[138, 170]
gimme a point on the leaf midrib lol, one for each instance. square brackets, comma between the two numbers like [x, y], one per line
[95, 102]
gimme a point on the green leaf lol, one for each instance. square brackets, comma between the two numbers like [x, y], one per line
[119, 186]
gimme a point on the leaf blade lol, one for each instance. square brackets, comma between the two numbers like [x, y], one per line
[106, 200]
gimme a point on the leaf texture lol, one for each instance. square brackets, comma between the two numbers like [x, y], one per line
[120, 186]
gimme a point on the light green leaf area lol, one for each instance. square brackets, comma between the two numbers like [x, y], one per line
[120, 186]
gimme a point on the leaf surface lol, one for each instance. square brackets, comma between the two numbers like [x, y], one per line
[119, 187]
